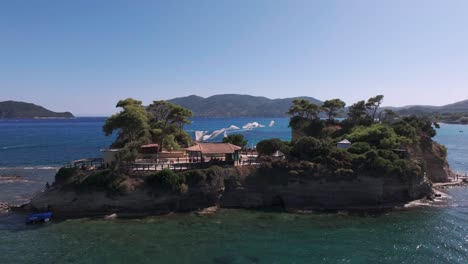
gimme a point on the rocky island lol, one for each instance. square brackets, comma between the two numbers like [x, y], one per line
[20, 110]
[367, 161]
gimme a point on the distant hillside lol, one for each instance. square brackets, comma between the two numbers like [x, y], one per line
[236, 105]
[12, 109]
[459, 107]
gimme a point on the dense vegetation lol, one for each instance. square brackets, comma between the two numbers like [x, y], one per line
[456, 113]
[381, 143]
[380, 139]
[102, 180]
[236, 105]
[12, 109]
[161, 122]
[236, 139]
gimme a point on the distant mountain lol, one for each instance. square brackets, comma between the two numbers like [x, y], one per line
[12, 109]
[459, 107]
[236, 105]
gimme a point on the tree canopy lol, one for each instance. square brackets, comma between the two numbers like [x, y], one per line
[236, 139]
[161, 122]
[373, 105]
[331, 107]
[131, 123]
[381, 140]
[166, 121]
[304, 108]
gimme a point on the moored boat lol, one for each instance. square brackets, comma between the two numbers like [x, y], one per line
[39, 218]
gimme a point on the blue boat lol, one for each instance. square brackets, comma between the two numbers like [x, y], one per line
[39, 218]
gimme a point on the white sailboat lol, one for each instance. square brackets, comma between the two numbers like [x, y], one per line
[199, 135]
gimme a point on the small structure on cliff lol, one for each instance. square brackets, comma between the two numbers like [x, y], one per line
[203, 152]
[110, 156]
[149, 149]
[153, 151]
[343, 144]
[278, 154]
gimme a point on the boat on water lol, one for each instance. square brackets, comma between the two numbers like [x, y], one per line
[39, 218]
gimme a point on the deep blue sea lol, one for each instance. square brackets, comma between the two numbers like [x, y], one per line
[34, 149]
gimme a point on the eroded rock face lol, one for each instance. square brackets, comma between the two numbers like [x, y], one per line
[437, 167]
[361, 192]
[239, 187]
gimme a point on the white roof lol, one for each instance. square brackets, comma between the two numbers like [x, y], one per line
[278, 154]
[110, 150]
[344, 141]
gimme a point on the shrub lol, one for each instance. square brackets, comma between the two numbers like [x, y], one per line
[106, 179]
[194, 176]
[359, 148]
[269, 146]
[443, 152]
[308, 148]
[377, 135]
[406, 130]
[166, 180]
[236, 139]
[338, 159]
[63, 175]
[314, 128]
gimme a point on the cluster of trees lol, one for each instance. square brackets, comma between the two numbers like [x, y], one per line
[305, 109]
[236, 139]
[161, 122]
[380, 138]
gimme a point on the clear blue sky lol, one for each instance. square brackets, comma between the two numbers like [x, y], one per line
[83, 56]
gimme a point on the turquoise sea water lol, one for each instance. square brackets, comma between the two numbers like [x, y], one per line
[32, 149]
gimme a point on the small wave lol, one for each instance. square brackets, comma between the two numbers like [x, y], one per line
[19, 146]
[32, 168]
[12, 179]
[41, 168]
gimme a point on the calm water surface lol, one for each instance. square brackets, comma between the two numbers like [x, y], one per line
[34, 148]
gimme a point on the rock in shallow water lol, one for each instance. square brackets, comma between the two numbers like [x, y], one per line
[4, 207]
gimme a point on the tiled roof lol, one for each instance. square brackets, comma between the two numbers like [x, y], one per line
[214, 148]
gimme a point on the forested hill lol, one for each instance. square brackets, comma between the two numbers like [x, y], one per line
[236, 105]
[12, 109]
[458, 107]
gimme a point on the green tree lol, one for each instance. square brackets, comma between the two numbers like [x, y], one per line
[373, 105]
[131, 124]
[308, 148]
[269, 146]
[236, 139]
[388, 116]
[331, 107]
[304, 108]
[377, 135]
[357, 112]
[167, 121]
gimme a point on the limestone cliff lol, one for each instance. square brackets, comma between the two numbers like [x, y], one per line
[434, 159]
[242, 187]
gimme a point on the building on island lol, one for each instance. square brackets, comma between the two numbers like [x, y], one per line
[109, 156]
[278, 154]
[149, 149]
[153, 151]
[223, 152]
[343, 144]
